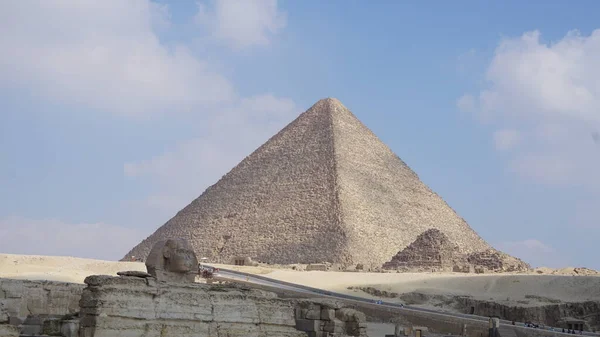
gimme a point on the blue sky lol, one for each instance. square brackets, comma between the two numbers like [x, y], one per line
[115, 114]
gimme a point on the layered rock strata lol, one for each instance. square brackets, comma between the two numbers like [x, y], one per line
[36, 307]
[323, 189]
[22, 298]
[133, 306]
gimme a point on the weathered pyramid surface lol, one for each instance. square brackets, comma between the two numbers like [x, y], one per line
[323, 189]
[431, 250]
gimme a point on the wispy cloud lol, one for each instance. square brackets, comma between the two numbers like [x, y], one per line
[103, 55]
[183, 172]
[550, 93]
[242, 23]
[107, 58]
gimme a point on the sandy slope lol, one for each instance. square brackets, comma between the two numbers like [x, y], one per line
[59, 268]
[501, 288]
[510, 288]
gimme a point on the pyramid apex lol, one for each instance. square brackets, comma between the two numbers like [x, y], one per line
[330, 102]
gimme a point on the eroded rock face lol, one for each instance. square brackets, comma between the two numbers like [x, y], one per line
[133, 306]
[434, 251]
[172, 260]
[119, 306]
[329, 318]
[552, 314]
[3, 314]
[8, 330]
[21, 298]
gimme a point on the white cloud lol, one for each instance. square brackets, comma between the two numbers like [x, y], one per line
[506, 139]
[549, 92]
[181, 174]
[53, 237]
[103, 55]
[107, 56]
[534, 252]
[242, 23]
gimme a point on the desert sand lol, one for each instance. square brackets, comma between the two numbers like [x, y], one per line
[516, 289]
[59, 268]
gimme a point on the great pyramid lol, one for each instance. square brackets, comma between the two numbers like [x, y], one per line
[323, 189]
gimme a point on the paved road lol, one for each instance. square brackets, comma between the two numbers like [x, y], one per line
[262, 280]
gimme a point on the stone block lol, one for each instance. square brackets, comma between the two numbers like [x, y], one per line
[69, 328]
[354, 328]
[31, 330]
[333, 326]
[3, 314]
[313, 314]
[348, 315]
[51, 327]
[308, 325]
[327, 314]
[16, 321]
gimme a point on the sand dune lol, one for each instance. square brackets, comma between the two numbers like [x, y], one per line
[521, 289]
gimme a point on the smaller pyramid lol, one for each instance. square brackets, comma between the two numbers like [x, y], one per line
[432, 250]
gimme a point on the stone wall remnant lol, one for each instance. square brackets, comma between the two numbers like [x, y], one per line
[243, 261]
[134, 306]
[36, 307]
[316, 266]
[322, 319]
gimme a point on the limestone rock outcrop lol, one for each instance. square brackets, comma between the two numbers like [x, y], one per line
[6, 330]
[323, 189]
[434, 251]
[21, 298]
[31, 305]
[132, 306]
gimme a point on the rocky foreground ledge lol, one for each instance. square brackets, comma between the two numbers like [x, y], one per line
[115, 306]
[142, 306]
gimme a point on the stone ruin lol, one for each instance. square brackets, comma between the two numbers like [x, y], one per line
[34, 308]
[243, 261]
[330, 319]
[434, 251]
[165, 302]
